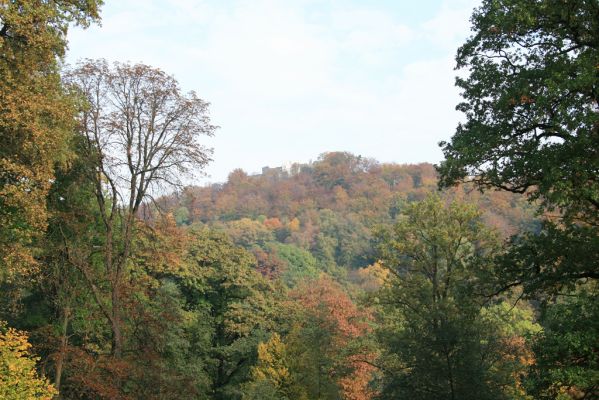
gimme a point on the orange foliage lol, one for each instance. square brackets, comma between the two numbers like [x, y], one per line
[162, 246]
[97, 377]
[328, 299]
[269, 264]
[273, 223]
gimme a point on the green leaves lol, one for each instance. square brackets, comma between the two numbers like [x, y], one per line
[530, 103]
[567, 361]
[532, 126]
[435, 342]
[556, 260]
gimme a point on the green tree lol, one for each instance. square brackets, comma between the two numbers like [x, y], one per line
[435, 344]
[532, 122]
[312, 349]
[530, 102]
[182, 216]
[300, 263]
[169, 345]
[349, 236]
[247, 232]
[73, 231]
[532, 126]
[567, 361]
[237, 304]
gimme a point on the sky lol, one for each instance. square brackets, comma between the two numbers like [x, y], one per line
[290, 79]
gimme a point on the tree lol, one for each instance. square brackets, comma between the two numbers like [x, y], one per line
[37, 117]
[268, 262]
[435, 344]
[247, 232]
[326, 359]
[532, 118]
[72, 233]
[271, 378]
[141, 134]
[532, 123]
[300, 264]
[531, 102]
[235, 303]
[567, 361]
[337, 168]
[18, 377]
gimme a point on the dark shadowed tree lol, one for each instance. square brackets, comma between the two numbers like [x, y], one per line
[531, 102]
[532, 125]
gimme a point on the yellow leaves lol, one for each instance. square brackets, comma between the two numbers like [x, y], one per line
[272, 363]
[340, 195]
[36, 119]
[294, 225]
[372, 277]
[18, 377]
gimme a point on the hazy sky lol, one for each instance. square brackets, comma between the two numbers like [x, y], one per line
[290, 79]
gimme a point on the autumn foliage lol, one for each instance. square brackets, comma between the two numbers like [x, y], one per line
[19, 379]
[341, 278]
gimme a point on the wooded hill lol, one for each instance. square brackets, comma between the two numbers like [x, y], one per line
[329, 209]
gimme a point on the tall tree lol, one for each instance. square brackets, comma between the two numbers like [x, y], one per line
[435, 344]
[531, 102]
[567, 360]
[271, 376]
[142, 133]
[326, 359]
[234, 302]
[37, 117]
[71, 236]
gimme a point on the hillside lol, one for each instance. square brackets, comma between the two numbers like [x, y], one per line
[320, 216]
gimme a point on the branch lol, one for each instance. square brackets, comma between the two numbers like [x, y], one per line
[95, 291]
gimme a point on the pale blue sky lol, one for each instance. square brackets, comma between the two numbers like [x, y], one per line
[291, 79]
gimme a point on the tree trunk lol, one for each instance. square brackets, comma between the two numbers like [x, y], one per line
[113, 269]
[450, 375]
[63, 348]
[115, 322]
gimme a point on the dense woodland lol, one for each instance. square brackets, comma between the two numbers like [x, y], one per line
[341, 278]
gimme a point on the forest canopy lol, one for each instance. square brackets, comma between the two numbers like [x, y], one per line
[341, 278]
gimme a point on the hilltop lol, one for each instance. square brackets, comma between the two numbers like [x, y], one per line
[320, 215]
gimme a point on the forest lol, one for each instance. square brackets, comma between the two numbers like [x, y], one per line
[340, 278]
